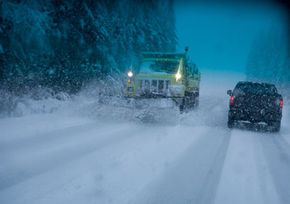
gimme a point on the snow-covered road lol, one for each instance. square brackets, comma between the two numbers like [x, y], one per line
[70, 158]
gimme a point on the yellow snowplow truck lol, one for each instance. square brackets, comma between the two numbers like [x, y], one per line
[165, 75]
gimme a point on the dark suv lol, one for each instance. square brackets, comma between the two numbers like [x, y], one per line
[255, 103]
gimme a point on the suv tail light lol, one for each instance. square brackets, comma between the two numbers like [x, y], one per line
[232, 100]
[281, 103]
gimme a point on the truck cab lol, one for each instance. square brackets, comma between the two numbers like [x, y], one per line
[165, 75]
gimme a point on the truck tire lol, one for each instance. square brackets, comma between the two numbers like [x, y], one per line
[191, 100]
[196, 103]
[182, 106]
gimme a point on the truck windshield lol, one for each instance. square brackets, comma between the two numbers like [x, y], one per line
[166, 66]
[255, 88]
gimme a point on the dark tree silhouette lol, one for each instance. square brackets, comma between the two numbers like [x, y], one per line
[65, 43]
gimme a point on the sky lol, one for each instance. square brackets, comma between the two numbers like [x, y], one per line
[220, 36]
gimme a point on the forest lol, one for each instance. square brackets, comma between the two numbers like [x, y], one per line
[64, 44]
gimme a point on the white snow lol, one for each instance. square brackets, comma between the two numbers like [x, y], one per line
[92, 153]
[245, 177]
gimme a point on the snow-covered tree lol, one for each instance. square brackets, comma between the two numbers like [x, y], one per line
[65, 43]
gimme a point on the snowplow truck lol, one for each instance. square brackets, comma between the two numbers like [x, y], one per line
[165, 75]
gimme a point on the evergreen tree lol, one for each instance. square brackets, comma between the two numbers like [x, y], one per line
[65, 43]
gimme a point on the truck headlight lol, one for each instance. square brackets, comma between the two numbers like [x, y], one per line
[178, 76]
[130, 74]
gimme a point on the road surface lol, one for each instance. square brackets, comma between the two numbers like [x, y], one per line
[98, 155]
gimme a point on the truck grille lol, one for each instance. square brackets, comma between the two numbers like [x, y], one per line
[153, 86]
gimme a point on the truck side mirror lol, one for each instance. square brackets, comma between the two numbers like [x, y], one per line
[230, 92]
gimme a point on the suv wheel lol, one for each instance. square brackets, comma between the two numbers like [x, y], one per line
[276, 126]
[230, 123]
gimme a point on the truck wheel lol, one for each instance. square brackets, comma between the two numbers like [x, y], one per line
[190, 100]
[196, 103]
[182, 106]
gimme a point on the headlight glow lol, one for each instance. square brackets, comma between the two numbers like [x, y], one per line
[130, 74]
[178, 76]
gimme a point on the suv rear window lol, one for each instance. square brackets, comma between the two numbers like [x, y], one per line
[254, 88]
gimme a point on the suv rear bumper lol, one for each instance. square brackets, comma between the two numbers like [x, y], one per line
[255, 116]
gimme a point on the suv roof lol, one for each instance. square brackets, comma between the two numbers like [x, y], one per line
[255, 88]
[255, 83]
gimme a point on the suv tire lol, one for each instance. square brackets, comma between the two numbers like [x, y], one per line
[276, 126]
[230, 123]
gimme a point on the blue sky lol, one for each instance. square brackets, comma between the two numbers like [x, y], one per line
[220, 36]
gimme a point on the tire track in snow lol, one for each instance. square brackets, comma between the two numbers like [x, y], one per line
[195, 177]
[44, 138]
[30, 167]
[277, 153]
